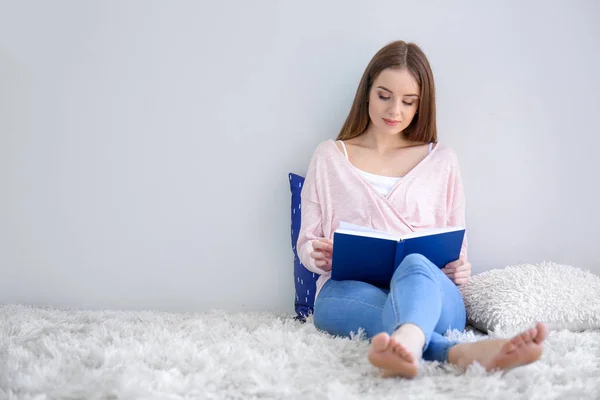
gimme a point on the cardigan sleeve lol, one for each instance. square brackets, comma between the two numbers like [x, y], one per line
[311, 216]
[457, 202]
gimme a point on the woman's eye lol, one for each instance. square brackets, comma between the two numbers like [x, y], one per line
[383, 97]
[408, 104]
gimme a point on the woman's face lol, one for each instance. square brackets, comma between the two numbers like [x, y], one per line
[393, 100]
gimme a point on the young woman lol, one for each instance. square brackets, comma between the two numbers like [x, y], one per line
[387, 171]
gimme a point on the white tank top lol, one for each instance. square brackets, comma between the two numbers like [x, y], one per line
[382, 184]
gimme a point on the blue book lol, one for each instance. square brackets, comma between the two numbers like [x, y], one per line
[367, 255]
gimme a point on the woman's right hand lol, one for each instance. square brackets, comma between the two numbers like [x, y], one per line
[323, 249]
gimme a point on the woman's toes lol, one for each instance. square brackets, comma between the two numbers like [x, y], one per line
[527, 336]
[404, 353]
[381, 342]
[398, 348]
[541, 333]
[517, 341]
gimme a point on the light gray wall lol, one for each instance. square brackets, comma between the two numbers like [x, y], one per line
[145, 145]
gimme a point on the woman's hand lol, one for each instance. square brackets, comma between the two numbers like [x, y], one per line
[323, 248]
[458, 271]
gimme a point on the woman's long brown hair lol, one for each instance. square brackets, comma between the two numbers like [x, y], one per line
[397, 54]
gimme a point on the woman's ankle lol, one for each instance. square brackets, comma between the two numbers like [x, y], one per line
[456, 355]
[411, 336]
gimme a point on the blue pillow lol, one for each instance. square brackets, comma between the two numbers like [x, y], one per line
[304, 280]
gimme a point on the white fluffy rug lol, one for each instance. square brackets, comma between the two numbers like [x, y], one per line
[60, 354]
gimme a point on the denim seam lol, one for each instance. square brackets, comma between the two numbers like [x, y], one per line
[353, 300]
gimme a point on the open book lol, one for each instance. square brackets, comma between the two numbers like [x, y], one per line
[367, 255]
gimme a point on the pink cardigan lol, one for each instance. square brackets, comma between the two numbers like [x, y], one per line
[431, 195]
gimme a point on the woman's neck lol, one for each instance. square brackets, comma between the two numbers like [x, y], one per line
[383, 143]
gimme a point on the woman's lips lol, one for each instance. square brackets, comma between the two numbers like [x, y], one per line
[390, 122]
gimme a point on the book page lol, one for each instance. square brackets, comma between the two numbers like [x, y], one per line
[352, 229]
[428, 232]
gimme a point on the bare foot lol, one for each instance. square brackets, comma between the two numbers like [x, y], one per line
[522, 349]
[495, 354]
[389, 355]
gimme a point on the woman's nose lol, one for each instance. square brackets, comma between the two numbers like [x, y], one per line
[395, 108]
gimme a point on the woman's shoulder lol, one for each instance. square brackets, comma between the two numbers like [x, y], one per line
[321, 163]
[325, 148]
[445, 157]
[445, 151]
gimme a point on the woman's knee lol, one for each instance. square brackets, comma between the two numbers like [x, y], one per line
[334, 317]
[416, 263]
[415, 258]
[347, 307]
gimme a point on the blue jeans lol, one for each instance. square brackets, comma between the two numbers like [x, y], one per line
[419, 294]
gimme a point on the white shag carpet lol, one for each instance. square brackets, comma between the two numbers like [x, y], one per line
[67, 354]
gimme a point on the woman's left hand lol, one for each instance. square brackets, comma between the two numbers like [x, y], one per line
[458, 271]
